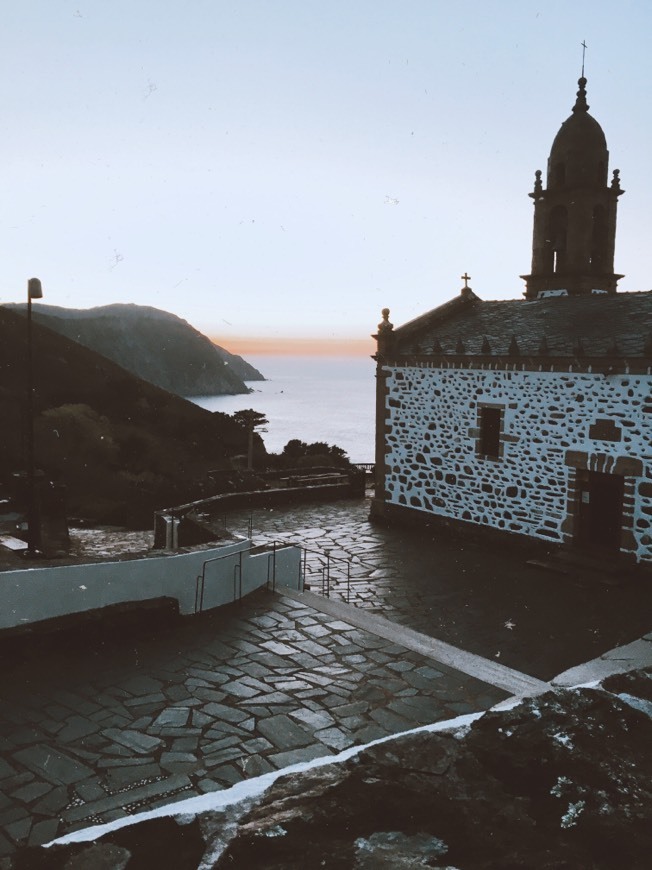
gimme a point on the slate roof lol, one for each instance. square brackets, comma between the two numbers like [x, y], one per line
[616, 325]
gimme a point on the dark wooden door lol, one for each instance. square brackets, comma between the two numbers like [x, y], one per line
[601, 511]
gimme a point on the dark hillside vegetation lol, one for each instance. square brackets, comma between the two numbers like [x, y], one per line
[121, 446]
[154, 345]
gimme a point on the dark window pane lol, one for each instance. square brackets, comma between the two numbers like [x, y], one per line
[490, 431]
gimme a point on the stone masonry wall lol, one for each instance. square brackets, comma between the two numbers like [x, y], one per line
[552, 424]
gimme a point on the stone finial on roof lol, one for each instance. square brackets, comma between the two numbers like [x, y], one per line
[615, 182]
[385, 325]
[544, 350]
[580, 103]
[514, 349]
[436, 346]
[384, 336]
[486, 347]
[613, 349]
[459, 347]
[538, 185]
[578, 347]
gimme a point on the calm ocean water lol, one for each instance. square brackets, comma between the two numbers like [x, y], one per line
[313, 398]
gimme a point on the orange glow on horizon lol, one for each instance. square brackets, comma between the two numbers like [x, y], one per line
[297, 346]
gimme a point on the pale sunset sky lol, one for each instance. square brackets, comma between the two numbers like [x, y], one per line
[276, 170]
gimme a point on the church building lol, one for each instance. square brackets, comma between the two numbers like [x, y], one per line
[531, 416]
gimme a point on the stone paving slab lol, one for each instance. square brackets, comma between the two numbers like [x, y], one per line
[99, 733]
[480, 597]
[491, 672]
[91, 735]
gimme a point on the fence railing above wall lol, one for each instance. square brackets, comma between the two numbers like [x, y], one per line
[200, 583]
[326, 569]
[241, 573]
[332, 572]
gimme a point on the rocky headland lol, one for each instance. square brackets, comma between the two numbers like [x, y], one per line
[121, 446]
[155, 345]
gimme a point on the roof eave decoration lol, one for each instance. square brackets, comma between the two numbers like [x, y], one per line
[438, 315]
[598, 365]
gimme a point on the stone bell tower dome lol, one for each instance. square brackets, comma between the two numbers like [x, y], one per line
[575, 214]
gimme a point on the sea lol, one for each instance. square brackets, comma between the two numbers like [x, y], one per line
[313, 398]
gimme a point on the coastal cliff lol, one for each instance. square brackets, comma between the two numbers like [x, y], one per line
[155, 345]
[122, 446]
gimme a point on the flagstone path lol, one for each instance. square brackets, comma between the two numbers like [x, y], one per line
[89, 735]
[480, 597]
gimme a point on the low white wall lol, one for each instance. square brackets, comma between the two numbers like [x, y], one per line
[34, 594]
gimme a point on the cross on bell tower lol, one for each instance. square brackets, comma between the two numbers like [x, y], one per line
[575, 214]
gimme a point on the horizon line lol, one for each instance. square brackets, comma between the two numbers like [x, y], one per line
[292, 346]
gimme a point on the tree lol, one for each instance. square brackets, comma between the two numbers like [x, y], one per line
[295, 448]
[316, 453]
[251, 420]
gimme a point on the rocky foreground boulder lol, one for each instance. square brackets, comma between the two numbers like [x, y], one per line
[559, 781]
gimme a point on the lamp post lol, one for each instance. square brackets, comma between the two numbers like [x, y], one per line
[34, 291]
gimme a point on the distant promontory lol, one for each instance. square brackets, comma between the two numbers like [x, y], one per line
[155, 345]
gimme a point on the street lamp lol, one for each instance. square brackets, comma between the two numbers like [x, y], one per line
[34, 291]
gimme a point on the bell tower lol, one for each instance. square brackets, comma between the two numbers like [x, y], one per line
[575, 214]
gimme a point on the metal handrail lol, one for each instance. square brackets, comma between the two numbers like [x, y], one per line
[325, 569]
[274, 546]
[224, 522]
[200, 583]
[237, 577]
[271, 564]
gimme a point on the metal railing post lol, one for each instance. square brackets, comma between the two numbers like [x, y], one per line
[300, 584]
[237, 575]
[274, 567]
[324, 564]
[203, 584]
[328, 575]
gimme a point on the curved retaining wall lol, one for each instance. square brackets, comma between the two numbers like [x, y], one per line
[35, 594]
[189, 532]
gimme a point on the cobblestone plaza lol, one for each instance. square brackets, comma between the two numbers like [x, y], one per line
[96, 732]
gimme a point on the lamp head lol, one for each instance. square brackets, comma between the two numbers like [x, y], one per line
[34, 289]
